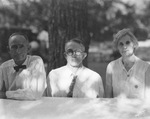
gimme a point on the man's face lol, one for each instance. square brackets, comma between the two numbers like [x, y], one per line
[74, 54]
[19, 48]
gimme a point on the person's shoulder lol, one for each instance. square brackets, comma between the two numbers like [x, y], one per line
[58, 70]
[91, 72]
[55, 73]
[7, 63]
[92, 75]
[141, 60]
[34, 58]
[114, 62]
[141, 64]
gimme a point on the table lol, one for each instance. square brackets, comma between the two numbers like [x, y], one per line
[74, 108]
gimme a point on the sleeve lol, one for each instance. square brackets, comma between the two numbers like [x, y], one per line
[101, 88]
[94, 85]
[147, 84]
[36, 82]
[52, 87]
[1, 78]
[2, 84]
[108, 83]
[48, 90]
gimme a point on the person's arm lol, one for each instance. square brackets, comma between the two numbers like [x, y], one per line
[2, 85]
[52, 86]
[108, 83]
[3, 91]
[36, 76]
[147, 83]
[101, 88]
[48, 89]
[94, 80]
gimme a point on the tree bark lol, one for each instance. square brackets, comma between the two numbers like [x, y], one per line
[68, 19]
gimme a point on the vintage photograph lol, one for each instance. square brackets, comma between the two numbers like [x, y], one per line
[74, 59]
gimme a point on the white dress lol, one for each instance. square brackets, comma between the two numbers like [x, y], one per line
[129, 83]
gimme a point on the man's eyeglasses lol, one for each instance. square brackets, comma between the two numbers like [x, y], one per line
[71, 52]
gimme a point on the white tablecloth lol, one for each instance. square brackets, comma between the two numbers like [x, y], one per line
[72, 108]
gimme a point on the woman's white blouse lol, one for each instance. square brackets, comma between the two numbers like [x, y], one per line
[129, 83]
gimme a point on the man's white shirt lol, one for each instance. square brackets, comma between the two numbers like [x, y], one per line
[88, 83]
[28, 83]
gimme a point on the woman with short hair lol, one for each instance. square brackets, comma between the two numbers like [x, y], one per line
[126, 75]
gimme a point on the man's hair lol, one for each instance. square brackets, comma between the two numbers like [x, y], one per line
[76, 40]
[18, 33]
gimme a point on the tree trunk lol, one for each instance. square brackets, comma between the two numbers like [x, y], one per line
[68, 19]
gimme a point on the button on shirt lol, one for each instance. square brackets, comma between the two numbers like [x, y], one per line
[88, 83]
[28, 83]
[129, 83]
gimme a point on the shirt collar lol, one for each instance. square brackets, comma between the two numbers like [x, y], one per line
[76, 73]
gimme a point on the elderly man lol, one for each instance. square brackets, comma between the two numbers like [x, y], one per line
[74, 79]
[23, 77]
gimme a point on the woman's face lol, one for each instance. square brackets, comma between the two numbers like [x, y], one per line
[126, 46]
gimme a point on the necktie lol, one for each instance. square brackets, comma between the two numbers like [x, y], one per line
[19, 67]
[70, 93]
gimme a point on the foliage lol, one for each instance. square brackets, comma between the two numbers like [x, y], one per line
[105, 17]
[68, 20]
[95, 20]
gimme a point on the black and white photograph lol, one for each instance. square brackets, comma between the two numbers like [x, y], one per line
[74, 59]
